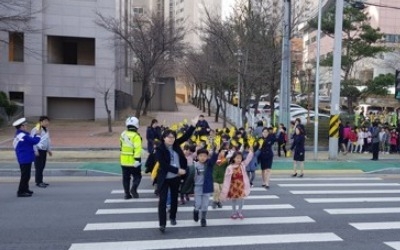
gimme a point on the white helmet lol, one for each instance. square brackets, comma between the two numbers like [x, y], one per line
[132, 121]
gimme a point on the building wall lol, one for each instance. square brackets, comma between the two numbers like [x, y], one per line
[39, 79]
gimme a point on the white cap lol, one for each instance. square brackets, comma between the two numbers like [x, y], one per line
[19, 122]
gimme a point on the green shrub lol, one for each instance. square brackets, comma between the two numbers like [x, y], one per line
[11, 109]
[4, 102]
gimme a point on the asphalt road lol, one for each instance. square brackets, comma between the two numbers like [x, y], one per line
[294, 214]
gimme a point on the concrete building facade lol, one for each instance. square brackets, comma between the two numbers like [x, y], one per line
[64, 68]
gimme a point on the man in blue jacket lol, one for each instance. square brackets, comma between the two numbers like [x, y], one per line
[23, 145]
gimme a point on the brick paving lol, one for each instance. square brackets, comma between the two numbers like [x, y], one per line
[81, 135]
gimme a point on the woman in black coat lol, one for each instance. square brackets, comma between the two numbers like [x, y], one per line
[173, 165]
[299, 151]
[153, 133]
[266, 156]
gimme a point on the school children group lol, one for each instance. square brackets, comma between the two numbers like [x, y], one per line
[195, 160]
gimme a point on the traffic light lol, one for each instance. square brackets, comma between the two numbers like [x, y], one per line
[397, 85]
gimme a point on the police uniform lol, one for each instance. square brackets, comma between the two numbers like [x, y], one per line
[23, 144]
[130, 158]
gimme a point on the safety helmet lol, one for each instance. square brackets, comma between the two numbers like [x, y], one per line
[132, 121]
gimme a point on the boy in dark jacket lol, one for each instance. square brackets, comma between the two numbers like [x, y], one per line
[203, 184]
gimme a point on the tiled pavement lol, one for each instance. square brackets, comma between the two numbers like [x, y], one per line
[93, 135]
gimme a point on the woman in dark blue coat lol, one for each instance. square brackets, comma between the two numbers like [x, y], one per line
[266, 155]
[153, 133]
[299, 151]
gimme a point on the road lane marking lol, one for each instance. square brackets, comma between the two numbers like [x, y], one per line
[361, 191]
[376, 225]
[188, 209]
[353, 200]
[328, 179]
[191, 223]
[151, 191]
[340, 185]
[375, 210]
[209, 242]
[393, 244]
[251, 197]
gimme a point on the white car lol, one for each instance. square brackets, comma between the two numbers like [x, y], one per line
[304, 117]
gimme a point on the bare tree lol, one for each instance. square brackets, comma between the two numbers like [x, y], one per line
[16, 16]
[155, 44]
[106, 91]
[256, 32]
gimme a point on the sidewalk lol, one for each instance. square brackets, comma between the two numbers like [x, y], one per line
[90, 142]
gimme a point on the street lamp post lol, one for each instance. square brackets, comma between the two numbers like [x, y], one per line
[239, 55]
[284, 102]
[316, 87]
[337, 70]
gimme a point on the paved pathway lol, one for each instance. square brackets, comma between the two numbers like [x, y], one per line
[89, 141]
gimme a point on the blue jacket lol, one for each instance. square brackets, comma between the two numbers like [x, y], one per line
[252, 166]
[23, 145]
[208, 185]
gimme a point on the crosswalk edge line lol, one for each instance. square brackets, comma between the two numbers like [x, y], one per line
[209, 242]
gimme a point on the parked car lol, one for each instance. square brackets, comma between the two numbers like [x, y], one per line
[324, 98]
[301, 97]
[367, 109]
[322, 118]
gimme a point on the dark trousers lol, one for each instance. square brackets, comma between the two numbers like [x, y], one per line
[375, 150]
[40, 163]
[127, 172]
[283, 146]
[173, 186]
[25, 177]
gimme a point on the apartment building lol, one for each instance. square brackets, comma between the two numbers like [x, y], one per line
[384, 17]
[64, 68]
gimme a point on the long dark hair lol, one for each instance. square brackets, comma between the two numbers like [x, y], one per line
[232, 159]
[153, 121]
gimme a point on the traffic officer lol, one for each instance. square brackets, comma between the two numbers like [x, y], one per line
[23, 145]
[131, 150]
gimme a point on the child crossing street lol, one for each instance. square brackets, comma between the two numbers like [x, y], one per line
[203, 184]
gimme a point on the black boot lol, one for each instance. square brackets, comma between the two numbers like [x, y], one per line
[203, 219]
[196, 215]
[134, 192]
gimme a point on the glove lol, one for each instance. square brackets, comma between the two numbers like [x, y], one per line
[137, 164]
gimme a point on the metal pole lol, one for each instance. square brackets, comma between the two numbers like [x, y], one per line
[316, 87]
[239, 55]
[337, 70]
[284, 96]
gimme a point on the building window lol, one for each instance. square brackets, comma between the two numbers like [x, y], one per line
[16, 47]
[138, 11]
[392, 38]
[70, 50]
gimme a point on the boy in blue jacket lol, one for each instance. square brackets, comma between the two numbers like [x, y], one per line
[23, 145]
[203, 184]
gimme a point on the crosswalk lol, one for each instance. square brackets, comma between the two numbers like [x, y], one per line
[275, 217]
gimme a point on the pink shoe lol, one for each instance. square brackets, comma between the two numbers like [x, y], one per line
[240, 215]
[234, 216]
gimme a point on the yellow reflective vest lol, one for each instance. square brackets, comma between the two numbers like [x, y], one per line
[131, 148]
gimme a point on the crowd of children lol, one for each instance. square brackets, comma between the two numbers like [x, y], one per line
[222, 164]
[359, 139]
